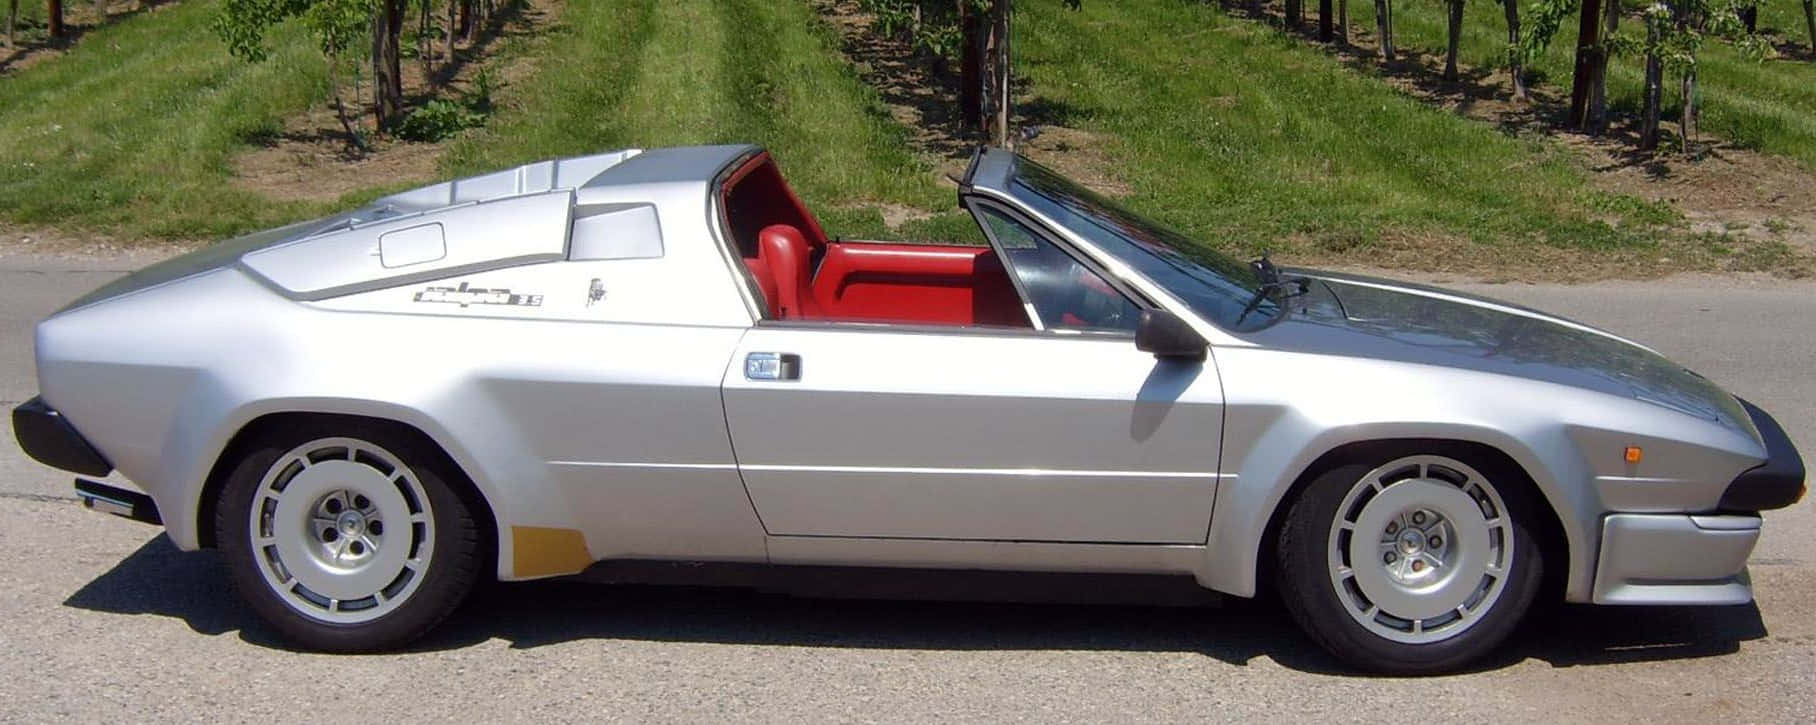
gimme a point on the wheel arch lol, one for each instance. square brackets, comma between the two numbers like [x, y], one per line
[1553, 541]
[1249, 508]
[248, 434]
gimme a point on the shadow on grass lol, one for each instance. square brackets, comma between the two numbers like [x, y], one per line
[516, 19]
[72, 34]
[160, 581]
[513, 19]
[1793, 49]
[1486, 94]
[905, 77]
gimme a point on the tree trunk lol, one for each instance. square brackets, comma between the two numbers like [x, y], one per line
[12, 21]
[1598, 93]
[1391, 42]
[1749, 17]
[1456, 37]
[970, 67]
[999, 73]
[1655, 78]
[1343, 20]
[53, 21]
[354, 138]
[1515, 64]
[425, 48]
[1325, 32]
[469, 20]
[1686, 123]
[448, 45]
[387, 81]
[1295, 13]
[1809, 19]
[1384, 28]
[1588, 48]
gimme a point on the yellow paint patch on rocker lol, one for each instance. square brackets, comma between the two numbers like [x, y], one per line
[540, 551]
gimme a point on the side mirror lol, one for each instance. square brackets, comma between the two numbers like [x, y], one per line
[1164, 334]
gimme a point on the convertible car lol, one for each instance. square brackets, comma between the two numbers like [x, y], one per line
[660, 355]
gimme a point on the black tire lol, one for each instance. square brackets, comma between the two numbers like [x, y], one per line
[446, 576]
[1311, 596]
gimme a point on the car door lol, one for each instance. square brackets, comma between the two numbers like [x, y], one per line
[1065, 433]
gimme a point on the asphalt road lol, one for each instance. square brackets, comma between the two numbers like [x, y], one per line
[104, 620]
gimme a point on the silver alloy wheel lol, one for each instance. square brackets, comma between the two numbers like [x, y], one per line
[1420, 549]
[341, 530]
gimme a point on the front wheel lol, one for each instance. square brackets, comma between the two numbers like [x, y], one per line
[1413, 565]
[346, 540]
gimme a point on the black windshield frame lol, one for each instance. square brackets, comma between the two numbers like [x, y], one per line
[1214, 285]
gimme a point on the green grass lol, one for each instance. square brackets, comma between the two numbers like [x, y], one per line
[622, 73]
[132, 131]
[1250, 139]
[1769, 106]
[1240, 135]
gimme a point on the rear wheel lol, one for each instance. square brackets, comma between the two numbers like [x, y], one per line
[346, 540]
[1411, 565]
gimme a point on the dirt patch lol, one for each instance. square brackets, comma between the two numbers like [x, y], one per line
[309, 165]
[19, 240]
[1727, 191]
[1078, 154]
[312, 159]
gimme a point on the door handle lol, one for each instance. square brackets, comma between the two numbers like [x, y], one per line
[772, 366]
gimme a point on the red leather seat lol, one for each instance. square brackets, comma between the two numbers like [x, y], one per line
[784, 251]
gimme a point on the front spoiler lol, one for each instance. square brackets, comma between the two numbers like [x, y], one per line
[46, 436]
[1675, 559]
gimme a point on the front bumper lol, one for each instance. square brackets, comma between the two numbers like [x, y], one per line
[1778, 482]
[1696, 558]
[47, 437]
[1675, 559]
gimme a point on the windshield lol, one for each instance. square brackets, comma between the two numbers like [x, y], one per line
[1217, 287]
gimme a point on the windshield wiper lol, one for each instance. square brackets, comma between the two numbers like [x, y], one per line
[1271, 283]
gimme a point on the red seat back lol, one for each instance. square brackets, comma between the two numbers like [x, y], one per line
[784, 251]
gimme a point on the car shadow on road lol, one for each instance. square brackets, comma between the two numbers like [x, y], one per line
[161, 581]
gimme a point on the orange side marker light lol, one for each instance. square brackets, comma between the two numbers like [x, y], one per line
[1634, 454]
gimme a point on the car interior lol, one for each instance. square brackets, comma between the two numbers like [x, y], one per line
[803, 275]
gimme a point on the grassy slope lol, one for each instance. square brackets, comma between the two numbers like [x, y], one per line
[1251, 140]
[623, 73]
[1768, 105]
[1241, 136]
[133, 130]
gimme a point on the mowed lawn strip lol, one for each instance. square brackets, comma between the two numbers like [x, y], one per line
[131, 133]
[1250, 140]
[630, 73]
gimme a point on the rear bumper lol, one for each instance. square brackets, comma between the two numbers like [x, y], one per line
[1675, 559]
[48, 438]
[1778, 482]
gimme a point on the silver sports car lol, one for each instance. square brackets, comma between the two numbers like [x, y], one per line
[661, 356]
